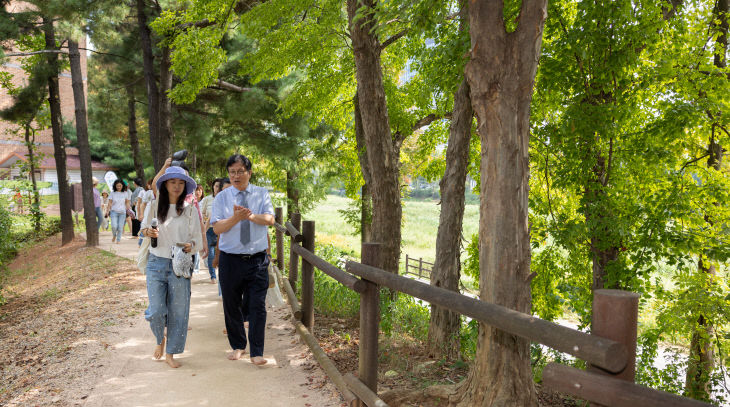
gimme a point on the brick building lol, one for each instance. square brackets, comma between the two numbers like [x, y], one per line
[12, 146]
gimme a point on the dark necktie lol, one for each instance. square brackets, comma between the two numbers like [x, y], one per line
[245, 225]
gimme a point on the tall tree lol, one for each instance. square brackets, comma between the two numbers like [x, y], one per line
[383, 151]
[153, 93]
[501, 74]
[82, 137]
[59, 142]
[444, 327]
[132, 127]
[701, 360]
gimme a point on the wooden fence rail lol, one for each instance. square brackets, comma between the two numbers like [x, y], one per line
[423, 272]
[611, 354]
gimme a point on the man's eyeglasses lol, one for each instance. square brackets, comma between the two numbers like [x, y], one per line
[239, 173]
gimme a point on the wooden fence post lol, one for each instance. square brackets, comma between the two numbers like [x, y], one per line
[296, 220]
[308, 277]
[420, 267]
[406, 263]
[279, 217]
[370, 321]
[615, 315]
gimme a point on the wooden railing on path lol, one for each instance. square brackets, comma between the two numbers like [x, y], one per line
[610, 350]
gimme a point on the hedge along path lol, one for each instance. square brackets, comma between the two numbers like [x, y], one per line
[207, 377]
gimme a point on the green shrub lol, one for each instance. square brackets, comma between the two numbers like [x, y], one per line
[405, 316]
[330, 297]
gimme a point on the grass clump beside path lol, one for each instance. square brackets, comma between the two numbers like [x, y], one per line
[62, 302]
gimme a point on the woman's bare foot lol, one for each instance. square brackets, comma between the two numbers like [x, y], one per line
[172, 362]
[159, 349]
[212, 280]
[258, 360]
[236, 354]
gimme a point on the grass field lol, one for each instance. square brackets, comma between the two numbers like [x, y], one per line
[420, 225]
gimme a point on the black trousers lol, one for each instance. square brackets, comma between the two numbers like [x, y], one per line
[135, 225]
[244, 282]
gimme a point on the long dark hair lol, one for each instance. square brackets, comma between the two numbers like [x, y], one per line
[118, 181]
[164, 203]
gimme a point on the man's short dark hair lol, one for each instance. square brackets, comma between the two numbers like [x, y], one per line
[238, 158]
[225, 180]
[138, 181]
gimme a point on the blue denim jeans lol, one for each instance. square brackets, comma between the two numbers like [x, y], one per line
[118, 219]
[99, 217]
[212, 241]
[169, 304]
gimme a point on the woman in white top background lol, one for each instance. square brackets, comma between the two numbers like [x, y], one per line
[169, 295]
[118, 205]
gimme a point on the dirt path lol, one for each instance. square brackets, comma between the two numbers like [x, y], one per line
[207, 377]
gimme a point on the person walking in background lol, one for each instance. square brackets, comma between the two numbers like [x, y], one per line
[197, 197]
[97, 203]
[118, 205]
[130, 214]
[206, 208]
[169, 294]
[105, 210]
[138, 190]
[240, 218]
[143, 200]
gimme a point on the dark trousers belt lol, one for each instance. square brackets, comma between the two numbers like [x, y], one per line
[245, 256]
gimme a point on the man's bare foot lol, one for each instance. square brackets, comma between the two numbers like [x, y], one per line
[258, 360]
[212, 280]
[159, 349]
[172, 362]
[236, 354]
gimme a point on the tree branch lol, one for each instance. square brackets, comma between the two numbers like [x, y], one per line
[393, 39]
[229, 86]
[399, 137]
[693, 161]
[43, 51]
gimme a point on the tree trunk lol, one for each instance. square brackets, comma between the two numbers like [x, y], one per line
[133, 139]
[165, 135]
[35, 208]
[153, 95]
[82, 136]
[603, 249]
[59, 142]
[292, 194]
[366, 197]
[501, 75]
[443, 331]
[701, 351]
[381, 152]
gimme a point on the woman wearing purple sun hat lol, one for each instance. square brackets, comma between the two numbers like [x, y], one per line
[169, 294]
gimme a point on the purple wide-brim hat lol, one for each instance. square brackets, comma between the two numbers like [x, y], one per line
[179, 173]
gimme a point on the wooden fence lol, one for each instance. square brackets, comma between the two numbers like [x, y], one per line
[610, 350]
[416, 267]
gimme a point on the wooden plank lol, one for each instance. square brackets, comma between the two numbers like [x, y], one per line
[293, 257]
[308, 277]
[369, 322]
[281, 228]
[345, 279]
[296, 309]
[605, 353]
[279, 236]
[363, 392]
[609, 391]
[326, 364]
[294, 230]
